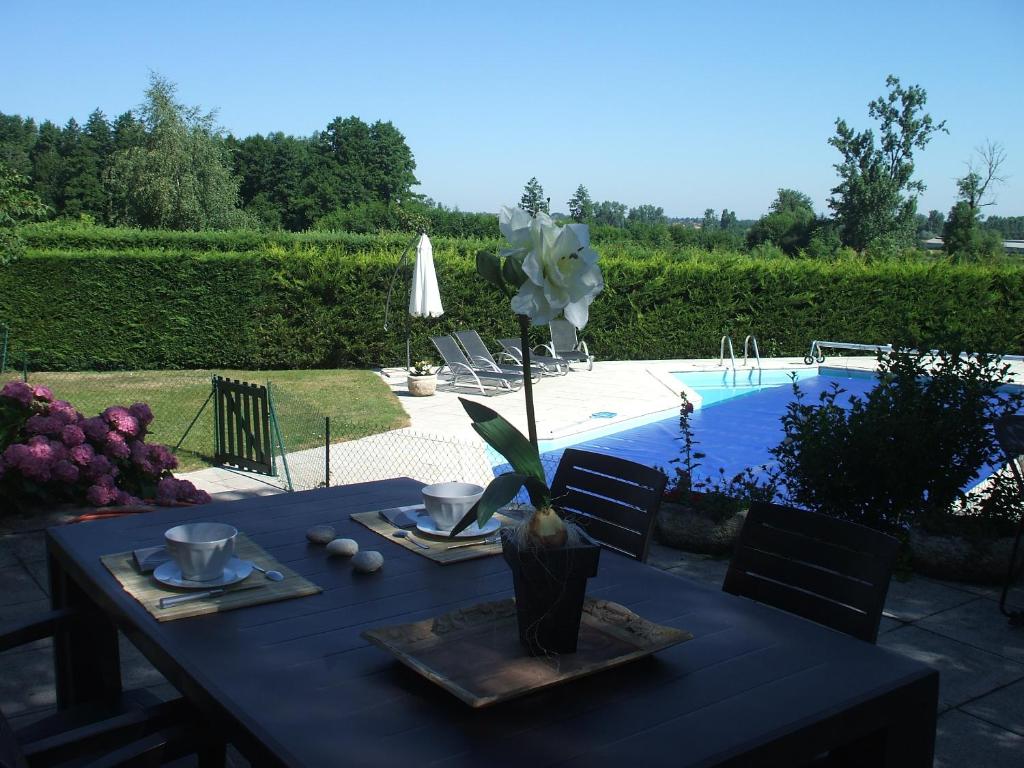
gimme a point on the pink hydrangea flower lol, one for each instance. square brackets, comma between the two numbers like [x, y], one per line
[125, 499]
[65, 472]
[43, 425]
[36, 468]
[64, 411]
[142, 413]
[72, 436]
[98, 466]
[116, 446]
[18, 391]
[121, 420]
[42, 393]
[82, 454]
[161, 458]
[96, 429]
[15, 454]
[100, 495]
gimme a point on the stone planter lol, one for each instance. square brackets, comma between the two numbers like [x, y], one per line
[422, 386]
[684, 527]
[961, 558]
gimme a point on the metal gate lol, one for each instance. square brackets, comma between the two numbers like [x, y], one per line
[242, 425]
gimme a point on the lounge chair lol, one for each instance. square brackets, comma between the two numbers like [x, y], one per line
[565, 345]
[480, 356]
[553, 365]
[459, 367]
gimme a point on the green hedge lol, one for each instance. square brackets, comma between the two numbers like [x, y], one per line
[310, 307]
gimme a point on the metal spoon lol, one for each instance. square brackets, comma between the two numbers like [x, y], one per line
[409, 537]
[272, 575]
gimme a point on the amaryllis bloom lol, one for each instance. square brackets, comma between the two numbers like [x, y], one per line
[72, 436]
[120, 419]
[43, 425]
[142, 413]
[65, 472]
[560, 267]
[18, 391]
[81, 454]
[42, 393]
[96, 429]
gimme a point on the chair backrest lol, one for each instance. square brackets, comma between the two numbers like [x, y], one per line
[513, 347]
[563, 336]
[1010, 436]
[10, 754]
[475, 347]
[449, 350]
[828, 570]
[614, 500]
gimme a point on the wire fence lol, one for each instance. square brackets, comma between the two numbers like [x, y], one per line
[316, 448]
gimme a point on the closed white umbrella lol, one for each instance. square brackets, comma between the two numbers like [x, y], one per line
[425, 298]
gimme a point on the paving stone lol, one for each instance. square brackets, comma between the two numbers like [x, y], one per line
[26, 681]
[979, 623]
[918, 597]
[40, 574]
[888, 625]
[1004, 707]
[30, 547]
[8, 552]
[965, 673]
[18, 587]
[709, 572]
[136, 671]
[962, 741]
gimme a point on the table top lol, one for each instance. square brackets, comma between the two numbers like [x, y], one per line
[295, 679]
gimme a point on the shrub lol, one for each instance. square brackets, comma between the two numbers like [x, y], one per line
[903, 453]
[50, 453]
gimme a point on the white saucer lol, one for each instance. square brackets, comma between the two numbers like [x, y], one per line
[170, 574]
[425, 524]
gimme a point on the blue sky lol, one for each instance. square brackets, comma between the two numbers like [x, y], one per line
[683, 105]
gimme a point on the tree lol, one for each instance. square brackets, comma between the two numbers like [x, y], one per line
[610, 213]
[710, 220]
[533, 200]
[876, 198]
[936, 221]
[581, 207]
[789, 223]
[18, 204]
[728, 219]
[647, 214]
[179, 178]
[962, 234]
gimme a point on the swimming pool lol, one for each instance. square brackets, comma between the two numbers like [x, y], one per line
[725, 384]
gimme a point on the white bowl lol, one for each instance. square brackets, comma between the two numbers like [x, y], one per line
[447, 503]
[201, 550]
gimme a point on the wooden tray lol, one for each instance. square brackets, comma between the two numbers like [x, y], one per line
[475, 653]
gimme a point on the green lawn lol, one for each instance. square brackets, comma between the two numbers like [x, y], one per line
[357, 402]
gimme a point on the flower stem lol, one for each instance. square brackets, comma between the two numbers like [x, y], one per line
[531, 419]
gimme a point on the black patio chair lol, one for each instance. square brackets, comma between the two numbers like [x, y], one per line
[613, 500]
[1010, 435]
[827, 570]
[132, 729]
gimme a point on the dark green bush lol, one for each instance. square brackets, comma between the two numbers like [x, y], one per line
[901, 454]
[320, 302]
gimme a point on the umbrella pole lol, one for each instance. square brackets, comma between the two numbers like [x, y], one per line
[387, 304]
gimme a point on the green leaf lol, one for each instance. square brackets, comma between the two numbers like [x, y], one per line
[488, 266]
[500, 492]
[505, 439]
[512, 271]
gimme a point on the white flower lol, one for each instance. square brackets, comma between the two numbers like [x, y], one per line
[561, 267]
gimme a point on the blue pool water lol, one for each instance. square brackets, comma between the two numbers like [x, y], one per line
[716, 386]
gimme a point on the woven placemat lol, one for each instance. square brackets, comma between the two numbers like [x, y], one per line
[438, 550]
[254, 590]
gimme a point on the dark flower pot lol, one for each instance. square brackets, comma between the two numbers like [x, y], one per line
[550, 585]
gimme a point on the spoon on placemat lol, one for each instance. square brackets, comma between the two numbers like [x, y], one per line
[401, 534]
[272, 575]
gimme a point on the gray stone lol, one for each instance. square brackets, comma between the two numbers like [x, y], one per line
[957, 558]
[705, 570]
[343, 547]
[918, 597]
[1004, 707]
[888, 625]
[321, 534]
[40, 574]
[136, 671]
[682, 527]
[8, 555]
[980, 624]
[964, 672]
[18, 587]
[30, 547]
[26, 681]
[368, 561]
[962, 741]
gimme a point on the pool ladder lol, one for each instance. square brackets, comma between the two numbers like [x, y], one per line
[750, 341]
